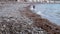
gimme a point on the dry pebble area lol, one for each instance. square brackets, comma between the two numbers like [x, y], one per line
[13, 22]
[11, 25]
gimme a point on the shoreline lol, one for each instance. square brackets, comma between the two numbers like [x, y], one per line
[41, 22]
[25, 17]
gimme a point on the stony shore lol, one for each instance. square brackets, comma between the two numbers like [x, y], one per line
[13, 21]
[18, 19]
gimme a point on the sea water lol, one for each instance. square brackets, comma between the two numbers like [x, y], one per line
[49, 11]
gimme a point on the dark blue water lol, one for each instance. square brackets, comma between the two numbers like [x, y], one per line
[49, 11]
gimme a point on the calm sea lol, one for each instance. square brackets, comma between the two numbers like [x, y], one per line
[49, 11]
